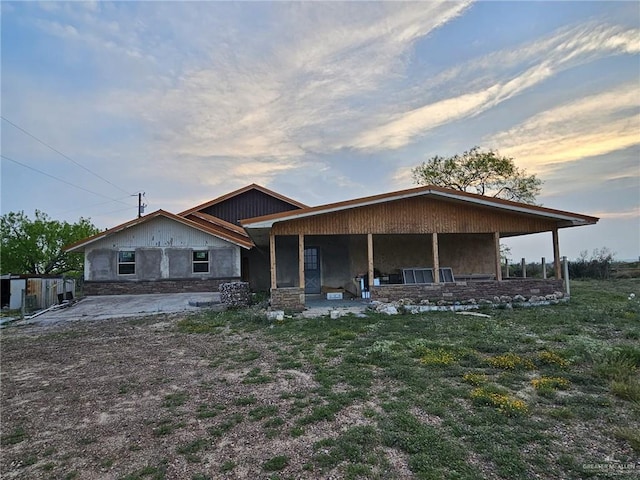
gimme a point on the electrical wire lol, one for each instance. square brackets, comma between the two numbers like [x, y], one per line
[94, 205]
[60, 153]
[61, 180]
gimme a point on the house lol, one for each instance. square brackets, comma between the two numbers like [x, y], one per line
[425, 242]
[194, 251]
[250, 201]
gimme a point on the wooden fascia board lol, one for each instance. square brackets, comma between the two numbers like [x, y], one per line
[568, 219]
[239, 237]
[218, 221]
[78, 246]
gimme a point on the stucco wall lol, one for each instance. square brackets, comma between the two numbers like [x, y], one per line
[163, 251]
[162, 263]
[100, 264]
[257, 262]
[148, 261]
[179, 262]
[287, 261]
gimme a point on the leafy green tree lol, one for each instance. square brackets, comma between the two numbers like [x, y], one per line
[35, 246]
[482, 172]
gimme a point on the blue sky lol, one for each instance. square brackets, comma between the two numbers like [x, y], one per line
[321, 102]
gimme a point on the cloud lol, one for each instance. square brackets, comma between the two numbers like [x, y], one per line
[400, 131]
[533, 63]
[269, 93]
[630, 214]
[590, 126]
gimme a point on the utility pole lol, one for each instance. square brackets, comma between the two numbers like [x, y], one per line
[141, 206]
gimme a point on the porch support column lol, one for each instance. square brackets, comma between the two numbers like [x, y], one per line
[498, 261]
[556, 254]
[436, 257]
[301, 260]
[272, 260]
[370, 259]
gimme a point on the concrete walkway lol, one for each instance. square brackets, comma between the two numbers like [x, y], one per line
[103, 307]
[317, 306]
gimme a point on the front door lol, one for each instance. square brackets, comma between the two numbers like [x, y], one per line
[312, 270]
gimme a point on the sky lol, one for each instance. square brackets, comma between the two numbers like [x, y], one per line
[321, 102]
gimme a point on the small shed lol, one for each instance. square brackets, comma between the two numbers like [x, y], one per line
[41, 291]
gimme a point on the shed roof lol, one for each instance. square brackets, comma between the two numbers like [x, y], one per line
[218, 231]
[563, 218]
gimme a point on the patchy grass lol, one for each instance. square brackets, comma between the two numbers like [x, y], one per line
[275, 464]
[16, 436]
[548, 392]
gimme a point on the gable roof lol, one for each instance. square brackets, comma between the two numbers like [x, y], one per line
[215, 230]
[564, 219]
[240, 191]
[219, 224]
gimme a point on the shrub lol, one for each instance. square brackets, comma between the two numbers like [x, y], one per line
[627, 390]
[597, 266]
[438, 356]
[551, 358]
[475, 378]
[510, 361]
[550, 383]
[504, 403]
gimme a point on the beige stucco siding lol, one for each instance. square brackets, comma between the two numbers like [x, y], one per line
[163, 250]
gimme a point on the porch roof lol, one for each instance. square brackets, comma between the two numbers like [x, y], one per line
[258, 226]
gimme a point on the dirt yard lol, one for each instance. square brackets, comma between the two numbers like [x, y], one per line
[517, 393]
[136, 399]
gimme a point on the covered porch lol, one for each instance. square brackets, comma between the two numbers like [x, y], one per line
[419, 244]
[391, 267]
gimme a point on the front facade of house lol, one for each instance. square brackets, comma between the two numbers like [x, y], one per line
[159, 253]
[426, 242]
[193, 251]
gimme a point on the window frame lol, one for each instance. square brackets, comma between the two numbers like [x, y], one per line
[122, 263]
[195, 262]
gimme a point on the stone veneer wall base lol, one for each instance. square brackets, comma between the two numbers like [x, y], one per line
[464, 291]
[291, 298]
[155, 286]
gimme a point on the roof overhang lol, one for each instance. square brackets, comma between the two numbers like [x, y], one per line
[564, 219]
[218, 233]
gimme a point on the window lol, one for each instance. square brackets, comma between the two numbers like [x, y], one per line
[126, 262]
[425, 275]
[418, 275]
[446, 275]
[311, 260]
[201, 261]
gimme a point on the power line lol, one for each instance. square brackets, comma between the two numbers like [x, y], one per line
[61, 154]
[114, 211]
[94, 205]
[61, 180]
